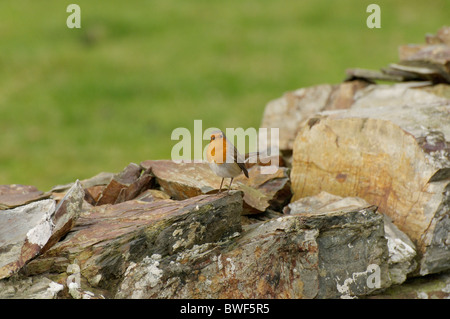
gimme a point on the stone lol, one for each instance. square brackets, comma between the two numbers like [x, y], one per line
[430, 63]
[395, 95]
[371, 75]
[39, 287]
[108, 188]
[107, 239]
[93, 193]
[408, 50]
[395, 157]
[418, 62]
[17, 195]
[287, 112]
[101, 179]
[318, 255]
[264, 191]
[294, 108]
[441, 89]
[401, 250]
[151, 195]
[324, 202]
[66, 214]
[435, 286]
[29, 230]
[93, 187]
[436, 57]
[124, 186]
[24, 231]
[185, 180]
[443, 35]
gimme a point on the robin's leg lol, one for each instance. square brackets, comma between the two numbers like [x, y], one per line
[220, 189]
[231, 182]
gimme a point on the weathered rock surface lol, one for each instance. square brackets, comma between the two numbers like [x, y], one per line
[429, 63]
[287, 112]
[154, 247]
[185, 180]
[394, 157]
[324, 202]
[25, 230]
[323, 255]
[401, 250]
[28, 230]
[396, 95]
[435, 286]
[123, 186]
[36, 287]
[66, 214]
[17, 195]
[418, 62]
[101, 179]
[107, 238]
[108, 188]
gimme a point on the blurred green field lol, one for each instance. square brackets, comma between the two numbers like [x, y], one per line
[75, 102]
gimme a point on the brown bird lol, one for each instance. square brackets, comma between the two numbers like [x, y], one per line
[224, 159]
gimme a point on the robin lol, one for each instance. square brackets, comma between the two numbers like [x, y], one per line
[224, 159]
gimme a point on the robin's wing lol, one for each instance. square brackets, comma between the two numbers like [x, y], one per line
[237, 157]
[240, 161]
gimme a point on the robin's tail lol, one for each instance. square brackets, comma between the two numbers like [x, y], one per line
[244, 169]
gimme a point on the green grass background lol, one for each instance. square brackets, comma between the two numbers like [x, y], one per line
[75, 102]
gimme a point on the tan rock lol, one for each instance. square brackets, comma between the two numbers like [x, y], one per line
[394, 157]
[263, 191]
[125, 186]
[444, 35]
[151, 195]
[408, 50]
[15, 195]
[287, 112]
[429, 63]
[185, 180]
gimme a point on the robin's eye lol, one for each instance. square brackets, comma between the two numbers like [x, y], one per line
[213, 138]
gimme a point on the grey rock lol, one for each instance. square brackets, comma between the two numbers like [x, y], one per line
[102, 178]
[107, 239]
[401, 249]
[401, 252]
[24, 231]
[319, 255]
[37, 287]
[29, 230]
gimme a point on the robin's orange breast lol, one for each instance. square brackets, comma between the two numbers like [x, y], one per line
[217, 151]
